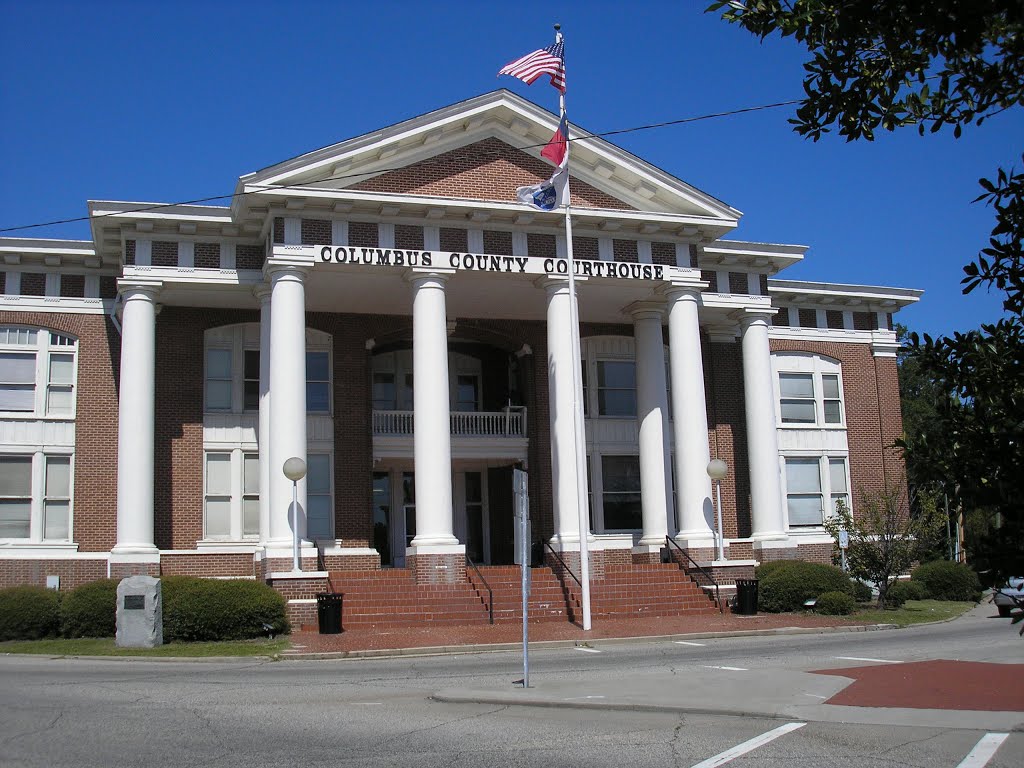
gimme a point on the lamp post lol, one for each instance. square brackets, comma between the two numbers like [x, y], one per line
[717, 470]
[295, 469]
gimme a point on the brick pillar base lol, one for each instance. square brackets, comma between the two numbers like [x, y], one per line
[447, 568]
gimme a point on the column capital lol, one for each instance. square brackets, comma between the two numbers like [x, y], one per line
[130, 287]
[278, 270]
[749, 316]
[674, 290]
[419, 276]
[646, 310]
[552, 283]
[262, 292]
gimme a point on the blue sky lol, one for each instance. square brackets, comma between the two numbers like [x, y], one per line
[170, 101]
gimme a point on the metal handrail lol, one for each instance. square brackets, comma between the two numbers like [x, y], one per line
[704, 571]
[490, 592]
[566, 567]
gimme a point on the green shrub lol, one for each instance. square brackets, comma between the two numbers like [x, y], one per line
[901, 591]
[862, 592]
[835, 604]
[946, 580]
[765, 568]
[90, 610]
[29, 613]
[787, 584]
[213, 609]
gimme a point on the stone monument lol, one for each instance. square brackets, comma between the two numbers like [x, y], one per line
[140, 620]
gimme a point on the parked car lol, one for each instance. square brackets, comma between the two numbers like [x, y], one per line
[1004, 596]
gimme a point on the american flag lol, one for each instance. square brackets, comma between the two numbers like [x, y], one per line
[546, 61]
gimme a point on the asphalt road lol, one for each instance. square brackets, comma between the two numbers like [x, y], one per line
[76, 712]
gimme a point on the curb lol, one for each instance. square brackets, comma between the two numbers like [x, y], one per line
[445, 650]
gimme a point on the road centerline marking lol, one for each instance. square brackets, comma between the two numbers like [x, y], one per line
[684, 642]
[862, 658]
[983, 751]
[747, 746]
[586, 650]
[730, 669]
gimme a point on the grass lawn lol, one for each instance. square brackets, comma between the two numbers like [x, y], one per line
[104, 646]
[913, 612]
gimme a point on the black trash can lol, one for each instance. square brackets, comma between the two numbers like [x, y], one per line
[328, 612]
[746, 597]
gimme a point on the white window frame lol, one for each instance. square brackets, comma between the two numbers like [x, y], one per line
[330, 494]
[598, 499]
[37, 503]
[44, 347]
[236, 494]
[817, 367]
[827, 492]
[244, 337]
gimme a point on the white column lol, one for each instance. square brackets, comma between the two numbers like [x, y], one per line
[263, 293]
[288, 394]
[136, 422]
[652, 415]
[431, 419]
[767, 517]
[695, 513]
[565, 480]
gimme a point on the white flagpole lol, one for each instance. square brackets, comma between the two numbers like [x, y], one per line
[579, 436]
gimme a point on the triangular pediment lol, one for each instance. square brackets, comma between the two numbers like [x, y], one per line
[482, 149]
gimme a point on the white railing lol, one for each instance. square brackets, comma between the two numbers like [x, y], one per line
[508, 422]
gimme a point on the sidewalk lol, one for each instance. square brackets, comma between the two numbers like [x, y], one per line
[499, 637]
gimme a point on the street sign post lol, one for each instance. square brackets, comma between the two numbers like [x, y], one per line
[844, 544]
[522, 507]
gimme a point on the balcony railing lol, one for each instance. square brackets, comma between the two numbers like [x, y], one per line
[508, 422]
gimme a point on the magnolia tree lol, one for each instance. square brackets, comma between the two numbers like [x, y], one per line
[885, 539]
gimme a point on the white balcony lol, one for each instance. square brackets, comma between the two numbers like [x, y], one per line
[506, 423]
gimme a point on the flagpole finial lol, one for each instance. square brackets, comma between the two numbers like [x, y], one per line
[558, 27]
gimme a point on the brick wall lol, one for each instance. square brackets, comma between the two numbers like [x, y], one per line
[872, 409]
[486, 170]
[34, 572]
[95, 506]
[723, 386]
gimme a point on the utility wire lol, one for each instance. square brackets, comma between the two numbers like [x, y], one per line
[420, 163]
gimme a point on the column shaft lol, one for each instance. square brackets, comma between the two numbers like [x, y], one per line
[695, 513]
[652, 415]
[431, 420]
[288, 394]
[136, 423]
[565, 478]
[263, 436]
[762, 436]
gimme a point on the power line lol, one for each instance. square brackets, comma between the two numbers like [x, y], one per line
[426, 161]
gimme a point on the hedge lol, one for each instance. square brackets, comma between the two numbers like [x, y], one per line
[862, 592]
[901, 591]
[214, 609]
[29, 613]
[835, 604]
[785, 585]
[90, 610]
[946, 580]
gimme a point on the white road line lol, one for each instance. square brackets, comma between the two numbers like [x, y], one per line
[748, 746]
[983, 750]
[586, 650]
[861, 658]
[368, 703]
[683, 642]
[730, 669]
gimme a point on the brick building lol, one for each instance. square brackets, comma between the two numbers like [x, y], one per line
[384, 310]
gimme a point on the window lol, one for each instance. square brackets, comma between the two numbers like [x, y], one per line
[232, 495]
[809, 389]
[621, 497]
[616, 388]
[319, 507]
[467, 393]
[318, 382]
[37, 372]
[35, 497]
[384, 391]
[232, 376]
[809, 482]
